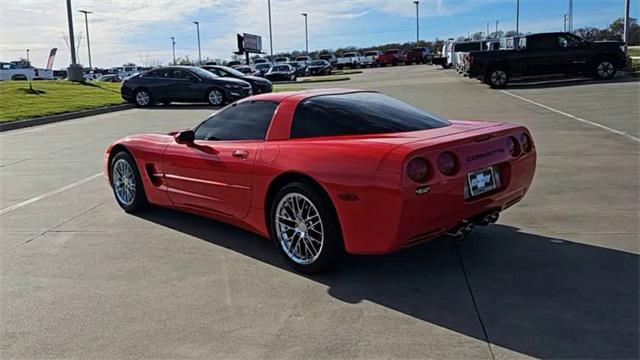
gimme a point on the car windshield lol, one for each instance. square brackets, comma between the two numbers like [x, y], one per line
[280, 68]
[317, 63]
[360, 113]
[202, 72]
[262, 66]
[231, 71]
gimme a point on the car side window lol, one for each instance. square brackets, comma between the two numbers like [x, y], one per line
[544, 43]
[567, 41]
[182, 75]
[244, 121]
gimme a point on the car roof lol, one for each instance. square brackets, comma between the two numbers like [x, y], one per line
[299, 95]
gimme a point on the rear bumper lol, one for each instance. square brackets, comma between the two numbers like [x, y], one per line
[127, 93]
[396, 220]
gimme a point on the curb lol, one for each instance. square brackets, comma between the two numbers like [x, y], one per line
[13, 125]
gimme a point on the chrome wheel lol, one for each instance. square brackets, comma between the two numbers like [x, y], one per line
[299, 228]
[215, 97]
[498, 78]
[143, 98]
[124, 182]
[605, 69]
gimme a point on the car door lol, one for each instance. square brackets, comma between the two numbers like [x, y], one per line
[544, 55]
[157, 82]
[573, 53]
[186, 86]
[214, 173]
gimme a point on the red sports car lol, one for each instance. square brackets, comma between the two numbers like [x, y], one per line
[325, 171]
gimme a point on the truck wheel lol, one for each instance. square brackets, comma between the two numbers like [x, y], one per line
[497, 78]
[604, 69]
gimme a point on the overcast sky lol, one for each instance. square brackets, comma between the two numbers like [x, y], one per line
[134, 30]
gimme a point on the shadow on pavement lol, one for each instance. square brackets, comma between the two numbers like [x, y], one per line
[566, 81]
[544, 297]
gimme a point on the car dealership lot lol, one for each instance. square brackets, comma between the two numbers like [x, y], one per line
[557, 277]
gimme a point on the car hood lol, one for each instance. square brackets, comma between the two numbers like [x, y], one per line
[256, 79]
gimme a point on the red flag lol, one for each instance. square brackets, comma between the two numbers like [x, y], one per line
[52, 56]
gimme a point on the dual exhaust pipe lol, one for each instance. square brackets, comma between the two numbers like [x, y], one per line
[466, 226]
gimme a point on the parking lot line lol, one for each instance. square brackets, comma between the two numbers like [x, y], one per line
[48, 194]
[628, 136]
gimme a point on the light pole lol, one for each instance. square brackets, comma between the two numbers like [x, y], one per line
[565, 23]
[28, 56]
[570, 27]
[497, 22]
[517, 17]
[625, 33]
[306, 33]
[173, 48]
[487, 29]
[86, 24]
[74, 72]
[199, 50]
[270, 31]
[417, 22]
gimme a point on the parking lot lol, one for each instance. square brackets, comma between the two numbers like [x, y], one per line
[557, 277]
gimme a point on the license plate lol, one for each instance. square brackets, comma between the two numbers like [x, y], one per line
[482, 181]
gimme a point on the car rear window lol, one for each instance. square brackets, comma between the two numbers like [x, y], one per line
[359, 114]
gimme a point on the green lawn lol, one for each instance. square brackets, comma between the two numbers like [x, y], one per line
[635, 51]
[19, 101]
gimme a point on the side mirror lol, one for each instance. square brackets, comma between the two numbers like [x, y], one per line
[185, 137]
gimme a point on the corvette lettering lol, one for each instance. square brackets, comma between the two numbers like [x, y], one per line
[485, 155]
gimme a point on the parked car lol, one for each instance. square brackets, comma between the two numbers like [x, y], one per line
[330, 58]
[303, 61]
[392, 57]
[247, 70]
[183, 84]
[260, 61]
[350, 60]
[11, 71]
[233, 63]
[487, 45]
[280, 60]
[460, 50]
[301, 70]
[258, 84]
[110, 78]
[419, 55]
[263, 68]
[446, 57]
[370, 58]
[281, 72]
[126, 71]
[319, 67]
[275, 164]
[548, 53]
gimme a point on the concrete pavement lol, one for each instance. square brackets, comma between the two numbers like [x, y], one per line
[557, 277]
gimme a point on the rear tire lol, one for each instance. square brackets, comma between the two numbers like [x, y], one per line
[497, 78]
[126, 183]
[215, 97]
[305, 228]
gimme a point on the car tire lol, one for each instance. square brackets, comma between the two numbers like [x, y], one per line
[319, 229]
[215, 97]
[497, 78]
[604, 69]
[126, 183]
[142, 98]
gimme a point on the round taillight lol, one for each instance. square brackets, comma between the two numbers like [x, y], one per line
[513, 146]
[447, 163]
[418, 170]
[525, 140]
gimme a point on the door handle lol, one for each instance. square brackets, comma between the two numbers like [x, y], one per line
[242, 154]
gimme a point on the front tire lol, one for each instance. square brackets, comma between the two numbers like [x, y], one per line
[305, 228]
[497, 78]
[604, 69]
[142, 98]
[215, 97]
[126, 183]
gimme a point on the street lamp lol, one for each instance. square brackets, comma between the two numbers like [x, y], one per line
[28, 56]
[570, 27]
[517, 17]
[74, 72]
[173, 48]
[86, 24]
[199, 50]
[417, 22]
[306, 32]
[270, 31]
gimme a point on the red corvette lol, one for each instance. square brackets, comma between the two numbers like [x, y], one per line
[325, 171]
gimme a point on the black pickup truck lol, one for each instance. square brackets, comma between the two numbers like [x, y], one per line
[547, 53]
